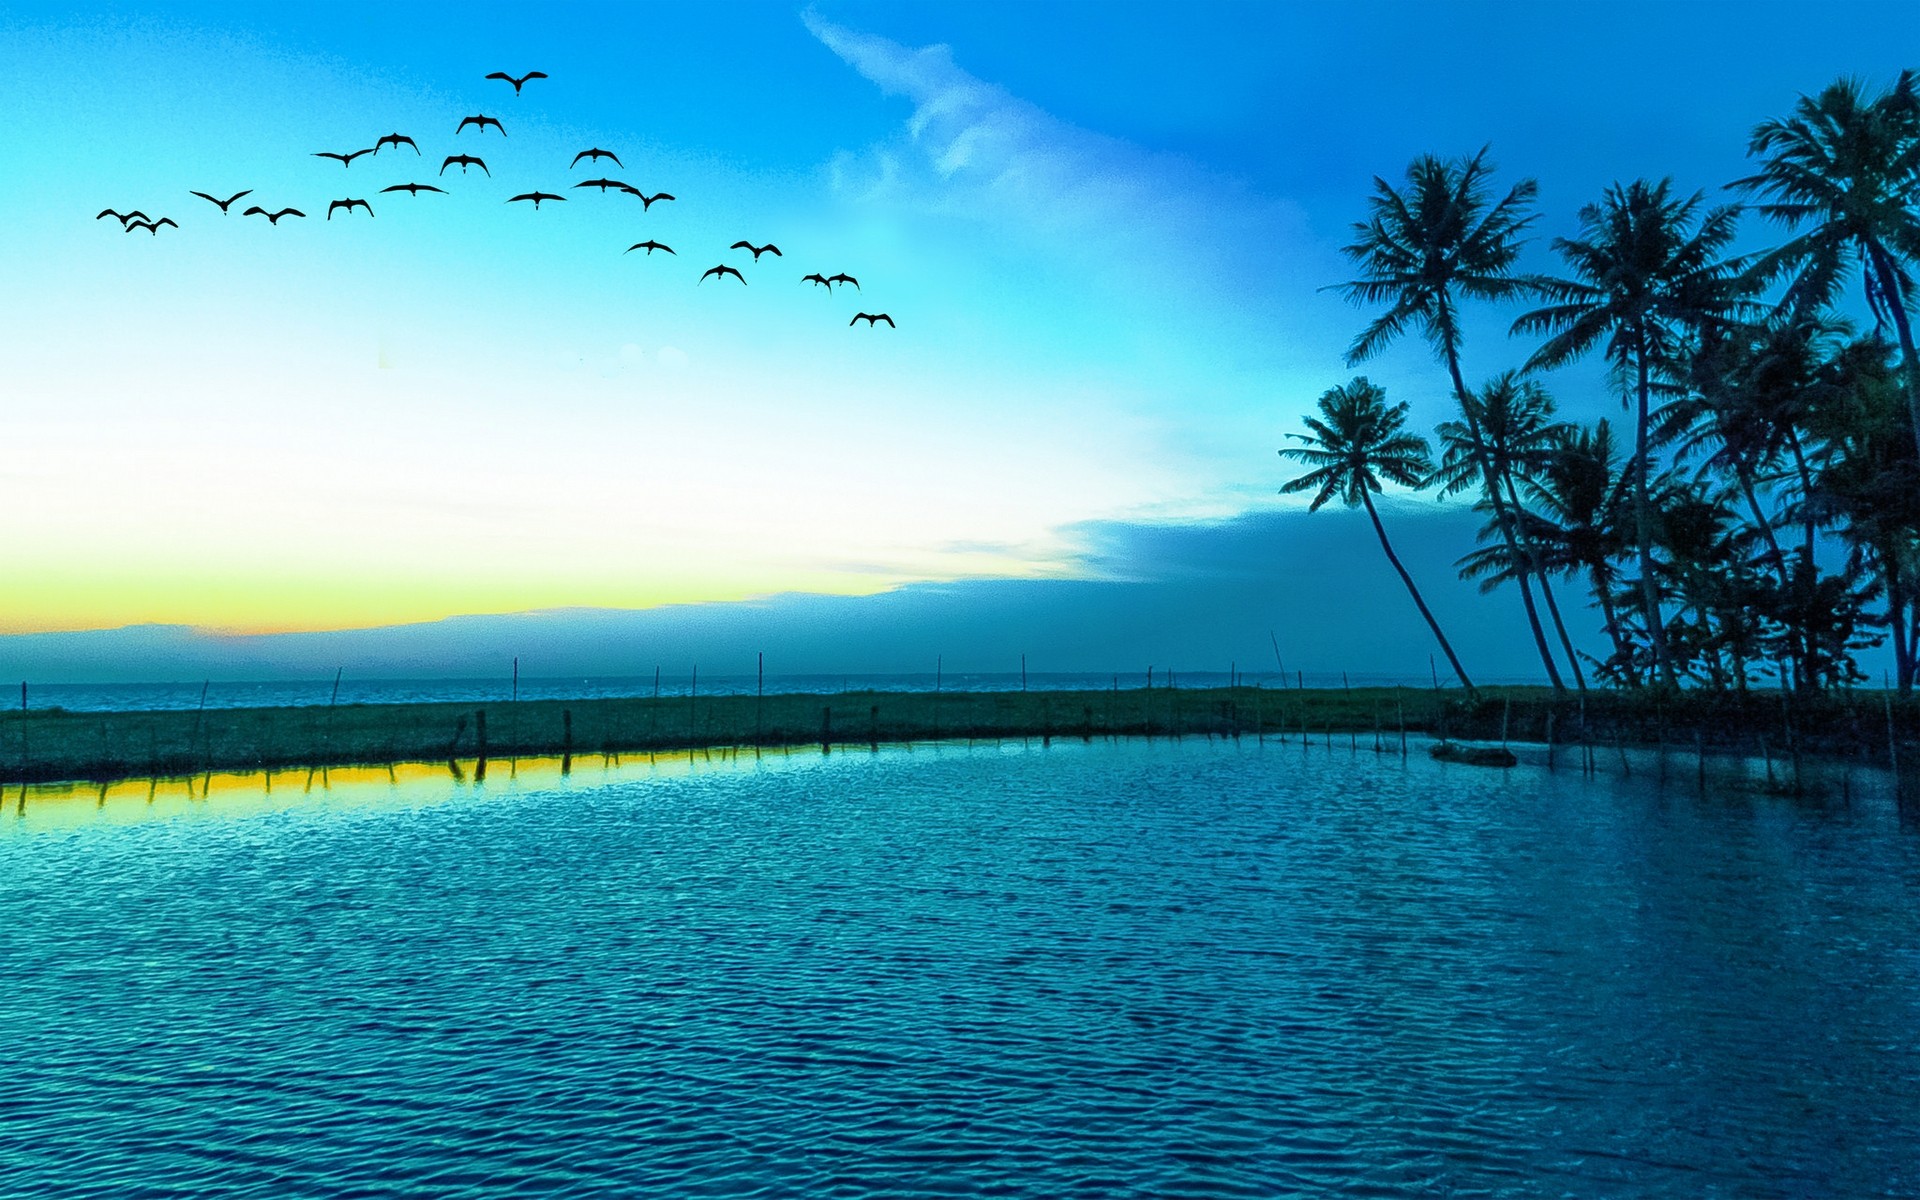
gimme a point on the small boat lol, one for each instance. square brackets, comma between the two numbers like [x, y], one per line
[1474, 756]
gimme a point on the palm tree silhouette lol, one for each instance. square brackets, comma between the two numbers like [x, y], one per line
[1359, 441]
[1847, 167]
[1508, 433]
[1423, 250]
[1648, 273]
[1574, 504]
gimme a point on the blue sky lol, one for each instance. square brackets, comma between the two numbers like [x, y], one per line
[1102, 228]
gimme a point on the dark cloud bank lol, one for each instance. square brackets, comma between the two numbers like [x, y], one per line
[1194, 597]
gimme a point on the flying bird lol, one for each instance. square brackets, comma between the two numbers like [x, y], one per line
[604, 184]
[520, 82]
[596, 155]
[650, 246]
[465, 161]
[646, 201]
[536, 197]
[346, 160]
[349, 205]
[123, 218]
[482, 122]
[723, 271]
[396, 140]
[818, 280]
[152, 227]
[843, 277]
[769, 248]
[414, 189]
[871, 318]
[222, 203]
[274, 217]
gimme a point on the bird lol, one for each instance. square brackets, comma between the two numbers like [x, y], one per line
[274, 217]
[650, 246]
[152, 227]
[395, 140]
[843, 277]
[646, 201]
[482, 122]
[414, 188]
[346, 160]
[596, 155]
[222, 203]
[465, 161]
[123, 218]
[520, 82]
[723, 270]
[604, 184]
[536, 197]
[818, 280]
[871, 318]
[349, 205]
[757, 250]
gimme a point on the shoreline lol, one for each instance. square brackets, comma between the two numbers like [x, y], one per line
[55, 746]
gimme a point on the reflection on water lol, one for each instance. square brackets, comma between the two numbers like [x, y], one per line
[1092, 970]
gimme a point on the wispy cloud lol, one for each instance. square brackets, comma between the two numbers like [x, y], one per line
[972, 148]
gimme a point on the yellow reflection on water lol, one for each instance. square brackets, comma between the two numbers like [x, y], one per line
[229, 794]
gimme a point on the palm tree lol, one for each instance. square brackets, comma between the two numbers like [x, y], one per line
[1425, 249]
[1849, 168]
[1574, 504]
[1358, 441]
[1647, 275]
[1508, 433]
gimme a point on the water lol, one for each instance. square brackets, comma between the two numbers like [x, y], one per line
[284, 693]
[1135, 970]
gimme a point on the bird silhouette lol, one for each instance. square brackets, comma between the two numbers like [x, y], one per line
[650, 246]
[818, 280]
[604, 184]
[596, 155]
[646, 201]
[520, 82]
[123, 218]
[536, 197]
[152, 227]
[273, 218]
[482, 122]
[465, 161]
[346, 160]
[871, 318]
[349, 205]
[414, 188]
[723, 270]
[843, 277]
[396, 140]
[769, 248]
[222, 203]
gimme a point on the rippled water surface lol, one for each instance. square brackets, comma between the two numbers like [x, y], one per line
[1202, 969]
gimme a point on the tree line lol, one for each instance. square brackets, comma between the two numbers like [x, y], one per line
[1758, 519]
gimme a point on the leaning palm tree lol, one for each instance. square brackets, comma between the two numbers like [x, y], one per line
[1848, 169]
[1423, 250]
[1357, 441]
[1648, 273]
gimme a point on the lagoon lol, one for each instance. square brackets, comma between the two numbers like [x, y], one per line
[1205, 968]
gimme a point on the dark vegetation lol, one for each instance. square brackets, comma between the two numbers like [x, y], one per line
[1758, 520]
[51, 745]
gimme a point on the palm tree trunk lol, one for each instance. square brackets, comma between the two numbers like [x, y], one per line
[1413, 591]
[1897, 620]
[1643, 521]
[1546, 593]
[1883, 268]
[1505, 520]
[1603, 588]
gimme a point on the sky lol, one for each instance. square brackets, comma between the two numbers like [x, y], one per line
[1104, 233]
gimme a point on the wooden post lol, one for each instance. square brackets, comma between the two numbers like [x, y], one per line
[480, 744]
[1700, 755]
[826, 730]
[759, 693]
[1549, 740]
[1086, 723]
[453, 747]
[873, 728]
[566, 741]
[1401, 705]
[1506, 715]
[1893, 744]
[516, 675]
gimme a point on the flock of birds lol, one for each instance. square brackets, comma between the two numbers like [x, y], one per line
[136, 219]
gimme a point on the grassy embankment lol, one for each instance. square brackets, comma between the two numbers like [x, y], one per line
[51, 745]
